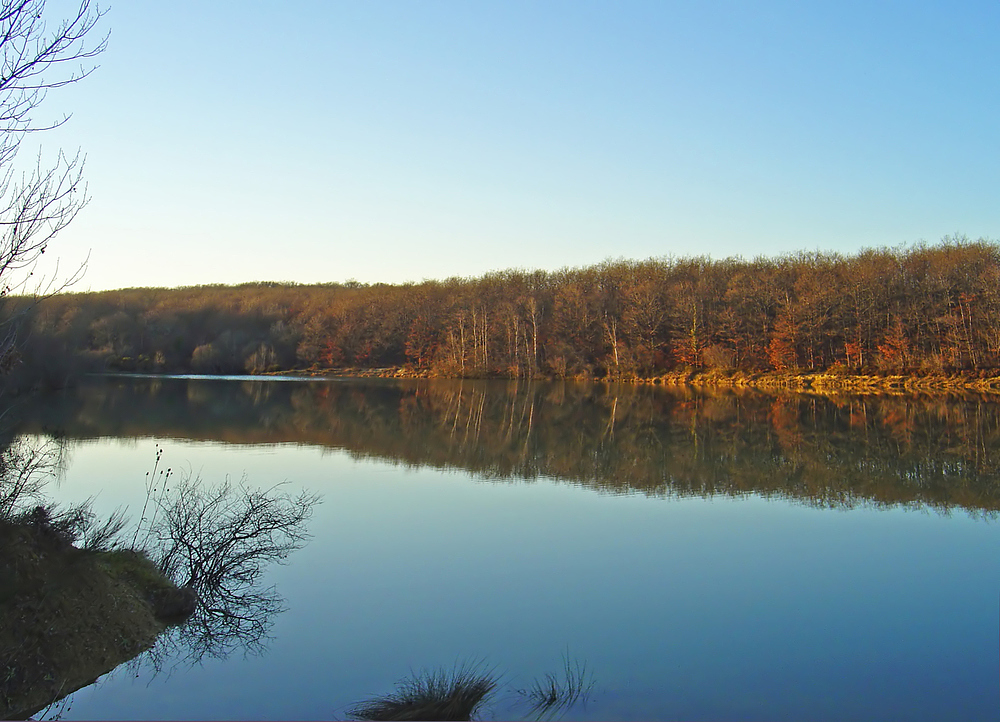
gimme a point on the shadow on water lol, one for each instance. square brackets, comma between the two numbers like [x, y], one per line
[841, 452]
[80, 596]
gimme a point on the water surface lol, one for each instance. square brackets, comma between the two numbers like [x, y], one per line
[708, 556]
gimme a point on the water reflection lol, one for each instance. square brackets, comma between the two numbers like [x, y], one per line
[433, 695]
[464, 692]
[717, 608]
[80, 595]
[219, 541]
[829, 452]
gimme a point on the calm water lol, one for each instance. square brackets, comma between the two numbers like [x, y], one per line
[707, 557]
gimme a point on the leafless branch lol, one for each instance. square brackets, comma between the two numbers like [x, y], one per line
[26, 466]
[220, 541]
[36, 57]
[34, 212]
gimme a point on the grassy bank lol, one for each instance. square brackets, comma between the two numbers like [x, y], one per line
[71, 615]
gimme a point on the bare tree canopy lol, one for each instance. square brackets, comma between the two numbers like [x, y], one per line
[36, 56]
[27, 464]
[219, 541]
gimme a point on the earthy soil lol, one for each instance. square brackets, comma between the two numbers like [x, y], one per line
[68, 615]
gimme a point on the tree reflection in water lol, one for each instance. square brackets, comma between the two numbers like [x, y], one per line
[219, 541]
[63, 570]
[844, 452]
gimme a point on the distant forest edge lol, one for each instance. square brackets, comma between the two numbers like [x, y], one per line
[916, 310]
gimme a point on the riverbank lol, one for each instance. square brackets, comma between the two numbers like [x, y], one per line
[71, 615]
[824, 383]
[837, 384]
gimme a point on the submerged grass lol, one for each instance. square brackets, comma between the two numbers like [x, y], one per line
[435, 695]
[461, 694]
[550, 695]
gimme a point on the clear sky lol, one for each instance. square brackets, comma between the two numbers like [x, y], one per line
[315, 141]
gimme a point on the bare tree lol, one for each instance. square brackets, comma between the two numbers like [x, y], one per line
[219, 541]
[37, 56]
[26, 467]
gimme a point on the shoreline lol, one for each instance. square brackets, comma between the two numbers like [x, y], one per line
[73, 614]
[823, 383]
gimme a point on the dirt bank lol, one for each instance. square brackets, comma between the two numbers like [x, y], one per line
[71, 615]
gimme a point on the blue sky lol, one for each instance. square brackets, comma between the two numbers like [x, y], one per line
[397, 141]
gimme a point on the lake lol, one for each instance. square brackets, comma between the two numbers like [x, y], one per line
[706, 556]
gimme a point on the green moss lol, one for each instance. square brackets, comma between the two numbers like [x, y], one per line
[134, 568]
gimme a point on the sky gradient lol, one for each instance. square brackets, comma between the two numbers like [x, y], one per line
[397, 141]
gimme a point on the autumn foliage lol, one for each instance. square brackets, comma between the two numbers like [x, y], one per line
[926, 308]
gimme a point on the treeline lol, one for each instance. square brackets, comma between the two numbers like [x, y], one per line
[926, 308]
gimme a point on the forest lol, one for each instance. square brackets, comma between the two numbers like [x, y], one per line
[921, 309]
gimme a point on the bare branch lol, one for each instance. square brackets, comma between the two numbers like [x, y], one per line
[36, 210]
[220, 541]
[36, 57]
[26, 466]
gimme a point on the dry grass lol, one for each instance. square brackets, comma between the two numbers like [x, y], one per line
[461, 693]
[550, 695]
[69, 615]
[440, 695]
